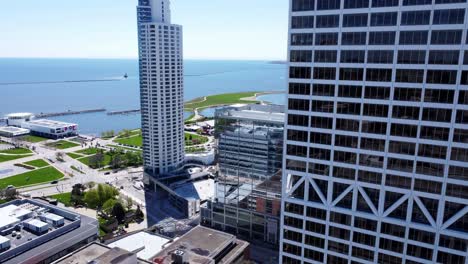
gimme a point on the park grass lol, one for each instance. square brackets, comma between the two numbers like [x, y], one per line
[124, 148]
[194, 149]
[4, 158]
[64, 198]
[219, 99]
[63, 144]
[16, 151]
[39, 163]
[33, 139]
[43, 175]
[137, 141]
[88, 151]
[106, 161]
[74, 155]
[196, 139]
[131, 141]
[130, 133]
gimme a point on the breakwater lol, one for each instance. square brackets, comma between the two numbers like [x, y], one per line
[133, 111]
[69, 112]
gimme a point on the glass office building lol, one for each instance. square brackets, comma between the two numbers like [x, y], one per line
[376, 154]
[247, 199]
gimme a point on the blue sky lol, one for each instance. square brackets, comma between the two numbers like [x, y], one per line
[213, 29]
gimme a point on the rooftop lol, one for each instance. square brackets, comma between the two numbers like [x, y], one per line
[203, 245]
[268, 113]
[145, 244]
[19, 115]
[12, 129]
[3, 239]
[37, 223]
[202, 189]
[50, 123]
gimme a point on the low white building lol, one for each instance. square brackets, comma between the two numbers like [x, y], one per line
[51, 128]
[145, 244]
[52, 219]
[17, 119]
[11, 131]
[4, 243]
[36, 226]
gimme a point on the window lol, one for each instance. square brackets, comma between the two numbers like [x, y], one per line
[302, 22]
[441, 76]
[384, 3]
[463, 97]
[405, 112]
[446, 37]
[353, 38]
[328, 4]
[416, 2]
[320, 138]
[446, 57]
[328, 21]
[376, 92]
[401, 130]
[303, 5]
[449, 16]
[301, 56]
[322, 106]
[380, 56]
[321, 122]
[302, 39]
[355, 20]
[299, 88]
[347, 125]
[437, 115]
[415, 18]
[349, 108]
[350, 4]
[407, 94]
[384, 19]
[379, 75]
[382, 38]
[350, 91]
[298, 120]
[409, 76]
[323, 90]
[352, 56]
[435, 133]
[411, 56]
[299, 72]
[375, 110]
[346, 141]
[325, 56]
[324, 73]
[413, 37]
[298, 104]
[326, 39]
[432, 151]
[439, 96]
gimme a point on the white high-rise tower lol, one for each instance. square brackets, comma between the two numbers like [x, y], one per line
[161, 88]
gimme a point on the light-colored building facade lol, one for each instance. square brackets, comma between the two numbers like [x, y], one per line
[161, 88]
[376, 154]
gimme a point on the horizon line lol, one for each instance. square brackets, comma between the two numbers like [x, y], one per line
[136, 58]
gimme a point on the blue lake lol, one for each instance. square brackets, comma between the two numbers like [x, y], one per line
[201, 78]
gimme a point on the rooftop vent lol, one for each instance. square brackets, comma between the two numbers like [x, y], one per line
[179, 257]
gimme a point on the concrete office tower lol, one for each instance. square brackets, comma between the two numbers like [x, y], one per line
[377, 128]
[161, 88]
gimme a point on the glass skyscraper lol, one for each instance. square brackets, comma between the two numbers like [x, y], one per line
[376, 154]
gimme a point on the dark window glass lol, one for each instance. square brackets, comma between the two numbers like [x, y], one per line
[464, 78]
[355, 20]
[321, 122]
[416, 17]
[383, 3]
[441, 76]
[407, 94]
[298, 151]
[322, 106]
[376, 92]
[299, 88]
[298, 104]
[298, 120]
[302, 22]
[432, 151]
[353, 38]
[325, 56]
[379, 75]
[382, 38]
[345, 157]
[302, 39]
[429, 168]
[437, 115]
[459, 154]
[416, 2]
[320, 138]
[452, 243]
[297, 135]
[411, 56]
[463, 97]
[391, 245]
[375, 110]
[405, 112]
[328, 21]
[303, 5]
[299, 72]
[422, 236]
[366, 224]
[465, 57]
[413, 37]
[444, 257]
[419, 252]
[449, 16]
[374, 128]
[380, 56]
[439, 96]
[462, 117]
[449, 1]
[323, 90]
[350, 4]
[301, 56]
[326, 39]
[351, 91]
[324, 73]
[434, 133]
[321, 154]
[384, 19]
[347, 125]
[409, 76]
[346, 141]
[446, 37]
[447, 57]
[370, 177]
[328, 4]
[398, 181]
[401, 130]
[352, 56]
[393, 229]
[400, 164]
[371, 160]
[349, 108]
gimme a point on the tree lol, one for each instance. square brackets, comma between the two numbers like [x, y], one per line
[117, 161]
[77, 194]
[118, 212]
[108, 206]
[91, 199]
[128, 203]
[96, 160]
[59, 156]
[139, 214]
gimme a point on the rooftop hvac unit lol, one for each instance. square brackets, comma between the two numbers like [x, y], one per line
[179, 257]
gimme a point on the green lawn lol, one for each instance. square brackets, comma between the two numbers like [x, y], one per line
[74, 155]
[192, 139]
[16, 151]
[125, 148]
[33, 139]
[39, 163]
[4, 158]
[129, 133]
[194, 149]
[131, 141]
[107, 159]
[88, 151]
[219, 99]
[46, 174]
[64, 198]
[63, 144]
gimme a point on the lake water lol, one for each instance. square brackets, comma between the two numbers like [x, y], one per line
[38, 94]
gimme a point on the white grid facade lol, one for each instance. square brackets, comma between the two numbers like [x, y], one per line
[161, 88]
[376, 155]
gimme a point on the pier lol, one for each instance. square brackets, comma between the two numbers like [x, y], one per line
[69, 112]
[132, 111]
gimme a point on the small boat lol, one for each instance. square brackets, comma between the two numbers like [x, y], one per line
[125, 76]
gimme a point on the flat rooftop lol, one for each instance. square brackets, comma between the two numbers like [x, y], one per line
[268, 113]
[202, 245]
[93, 251]
[198, 190]
[12, 129]
[50, 123]
[145, 244]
